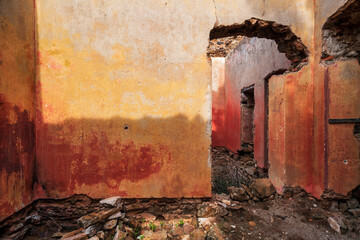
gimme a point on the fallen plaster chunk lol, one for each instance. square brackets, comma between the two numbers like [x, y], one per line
[92, 218]
[117, 215]
[112, 201]
[337, 224]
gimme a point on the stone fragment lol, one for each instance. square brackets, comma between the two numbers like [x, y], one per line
[252, 224]
[188, 228]
[247, 190]
[73, 233]
[221, 197]
[94, 238]
[222, 204]
[135, 207]
[119, 235]
[110, 224]
[355, 212]
[206, 223]
[238, 194]
[117, 215]
[206, 210]
[33, 218]
[352, 203]
[337, 224]
[235, 207]
[177, 231]
[78, 236]
[147, 216]
[169, 217]
[262, 188]
[221, 211]
[162, 235]
[226, 202]
[95, 217]
[147, 234]
[198, 234]
[100, 235]
[129, 230]
[112, 201]
[226, 227]
[16, 227]
[91, 230]
[58, 235]
[215, 234]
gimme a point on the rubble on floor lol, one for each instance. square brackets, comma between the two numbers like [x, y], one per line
[251, 210]
[295, 215]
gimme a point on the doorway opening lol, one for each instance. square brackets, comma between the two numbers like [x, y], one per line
[247, 119]
[244, 57]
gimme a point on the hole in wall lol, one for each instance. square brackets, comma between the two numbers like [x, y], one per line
[341, 34]
[223, 39]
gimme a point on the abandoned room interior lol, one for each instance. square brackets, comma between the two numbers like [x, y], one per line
[178, 119]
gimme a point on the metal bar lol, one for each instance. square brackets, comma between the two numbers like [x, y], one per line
[344, 120]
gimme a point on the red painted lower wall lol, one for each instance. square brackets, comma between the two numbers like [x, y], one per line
[17, 108]
[218, 101]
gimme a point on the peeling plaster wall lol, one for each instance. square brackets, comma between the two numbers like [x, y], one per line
[247, 65]
[340, 86]
[291, 130]
[124, 98]
[17, 112]
[343, 79]
[312, 154]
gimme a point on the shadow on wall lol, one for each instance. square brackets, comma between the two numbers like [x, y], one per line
[131, 158]
[17, 104]
[147, 157]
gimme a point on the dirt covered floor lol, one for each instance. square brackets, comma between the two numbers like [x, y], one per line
[249, 209]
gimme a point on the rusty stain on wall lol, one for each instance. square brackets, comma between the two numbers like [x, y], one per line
[17, 112]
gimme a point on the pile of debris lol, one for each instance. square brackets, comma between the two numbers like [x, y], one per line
[114, 218]
[233, 169]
